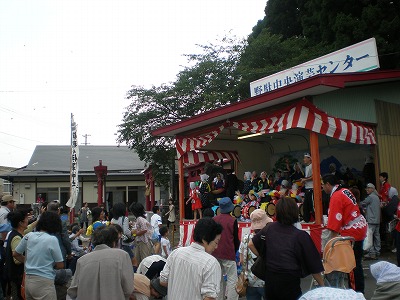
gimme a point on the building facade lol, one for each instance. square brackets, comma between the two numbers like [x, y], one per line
[47, 176]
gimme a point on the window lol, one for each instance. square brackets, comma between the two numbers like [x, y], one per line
[7, 187]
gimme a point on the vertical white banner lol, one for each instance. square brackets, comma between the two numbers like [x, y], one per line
[74, 182]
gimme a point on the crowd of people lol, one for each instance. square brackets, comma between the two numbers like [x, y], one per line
[114, 257]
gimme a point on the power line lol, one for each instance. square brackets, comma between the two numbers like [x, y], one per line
[14, 146]
[21, 137]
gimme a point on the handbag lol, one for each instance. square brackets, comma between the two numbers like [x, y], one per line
[241, 285]
[126, 239]
[259, 267]
[243, 281]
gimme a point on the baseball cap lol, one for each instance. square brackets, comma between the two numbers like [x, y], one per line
[259, 219]
[307, 154]
[370, 185]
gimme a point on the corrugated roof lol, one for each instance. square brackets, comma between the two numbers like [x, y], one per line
[55, 160]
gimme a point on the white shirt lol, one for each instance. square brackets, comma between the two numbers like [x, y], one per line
[308, 172]
[165, 242]
[146, 263]
[3, 214]
[192, 274]
[155, 221]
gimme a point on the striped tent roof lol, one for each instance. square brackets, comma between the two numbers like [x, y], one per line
[196, 156]
[302, 114]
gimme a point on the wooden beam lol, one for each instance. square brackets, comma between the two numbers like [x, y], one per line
[314, 147]
[181, 179]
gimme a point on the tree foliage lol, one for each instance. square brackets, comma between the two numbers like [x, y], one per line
[209, 81]
[292, 32]
[295, 31]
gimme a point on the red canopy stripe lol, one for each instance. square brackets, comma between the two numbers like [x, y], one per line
[185, 144]
[196, 156]
[305, 115]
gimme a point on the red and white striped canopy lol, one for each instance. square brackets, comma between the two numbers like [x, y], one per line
[186, 144]
[305, 115]
[302, 114]
[196, 156]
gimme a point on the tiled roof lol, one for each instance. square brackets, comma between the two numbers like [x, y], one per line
[55, 160]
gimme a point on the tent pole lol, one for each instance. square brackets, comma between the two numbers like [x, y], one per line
[181, 179]
[314, 147]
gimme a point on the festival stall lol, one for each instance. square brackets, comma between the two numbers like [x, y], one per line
[301, 114]
[286, 101]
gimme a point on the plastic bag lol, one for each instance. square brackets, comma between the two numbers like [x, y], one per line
[368, 240]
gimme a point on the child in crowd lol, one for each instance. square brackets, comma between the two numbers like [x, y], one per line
[171, 213]
[165, 243]
[156, 223]
[76, 246]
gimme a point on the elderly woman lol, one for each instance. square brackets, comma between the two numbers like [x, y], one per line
[218, 186]
[247, 186]
[204, 190]
[255, 290]
[290, 254]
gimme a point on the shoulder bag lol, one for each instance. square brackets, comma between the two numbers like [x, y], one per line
[126, 239]
[260, 264]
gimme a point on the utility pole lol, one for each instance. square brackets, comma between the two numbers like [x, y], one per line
[86, 137]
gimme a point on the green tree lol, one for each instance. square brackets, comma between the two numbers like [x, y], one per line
[292, 32]
[209, 81]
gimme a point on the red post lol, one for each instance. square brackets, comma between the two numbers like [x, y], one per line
[314, 146]
[181, 179]
[101, 173]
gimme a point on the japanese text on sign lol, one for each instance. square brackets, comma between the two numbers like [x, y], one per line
[360, 57]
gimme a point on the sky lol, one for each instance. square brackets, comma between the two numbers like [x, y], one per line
[59, 58]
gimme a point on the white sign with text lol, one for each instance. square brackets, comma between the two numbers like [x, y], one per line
[360, 57]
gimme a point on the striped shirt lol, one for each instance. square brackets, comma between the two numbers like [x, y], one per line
[191, 273]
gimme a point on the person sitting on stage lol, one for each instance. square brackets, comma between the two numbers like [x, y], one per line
[246, 186]
[297, 173]
[278, 178]
[263, 186]
[218, 186]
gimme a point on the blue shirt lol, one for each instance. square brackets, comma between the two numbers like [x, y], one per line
[41, 252]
